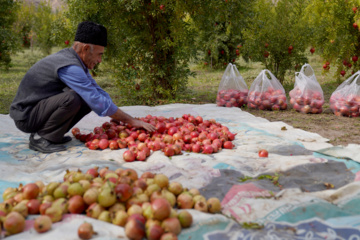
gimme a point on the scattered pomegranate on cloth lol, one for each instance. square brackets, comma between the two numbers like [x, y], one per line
[294, 186]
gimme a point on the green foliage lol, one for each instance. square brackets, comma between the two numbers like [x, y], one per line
[334, 34]
[63, 31]
[219, 25]
[38, 26]
[149, 43]
[42, 27]
[275, 27]
[8, 41]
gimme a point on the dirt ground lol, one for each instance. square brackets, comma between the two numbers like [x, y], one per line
[339, 130]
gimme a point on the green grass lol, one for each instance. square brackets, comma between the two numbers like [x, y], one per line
[201, 89]
[10, 80]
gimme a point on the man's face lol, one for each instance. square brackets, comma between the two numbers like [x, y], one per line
[92, 55]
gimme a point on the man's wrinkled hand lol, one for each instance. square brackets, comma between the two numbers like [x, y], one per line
[147, 126]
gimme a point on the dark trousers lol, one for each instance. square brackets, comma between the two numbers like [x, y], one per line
[51, 118]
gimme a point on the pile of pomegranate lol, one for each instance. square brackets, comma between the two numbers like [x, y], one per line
[172, 136]
[149, 206]
[271, 99]
[306, 102]
[232, 98]
[347, 106]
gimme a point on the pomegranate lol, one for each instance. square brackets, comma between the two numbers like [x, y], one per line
[33, 206]
[129, 156]
[152, 188]
[107, 197]
[214, 205]
[161, 180]
[94, 210]
[135, 229]
[171, 225]
[169, 196]
[44, 206]
[161, 209]
[194, 192]
[42, 224]
[21, 208]
[169, 236]
[201, 205]
[208, 149]
[76, 204]
[185, 219]
[141, 156]
[185, 200]
[169, 151]
[86, 231]
[154, 232]
[263, 153]
[141, 183]
[175, 187]
[91, 195]
[41, 185]
[14, 223]
[75, 189]
[198, 198]
[116, 207]
[120, 218]
[134, 209]
[123, 191]
[138, 216]
[228, 145]
[155, 195]
[31, 191]
[113, 145]
[146, 175]
[103, 143]
[61, 191]
[55, 213]
[105, 216]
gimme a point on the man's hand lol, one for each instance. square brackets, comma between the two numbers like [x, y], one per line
[126, 118]
[141, 124]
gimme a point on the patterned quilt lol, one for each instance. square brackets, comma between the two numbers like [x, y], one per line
[305, 189]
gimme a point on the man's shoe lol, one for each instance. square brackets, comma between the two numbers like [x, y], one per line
[44, 146]
[65, 139]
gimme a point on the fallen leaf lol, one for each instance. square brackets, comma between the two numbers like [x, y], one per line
[329, 185]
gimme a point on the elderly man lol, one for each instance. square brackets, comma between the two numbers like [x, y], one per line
[58, 91]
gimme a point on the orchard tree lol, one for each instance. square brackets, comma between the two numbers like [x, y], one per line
[150, 44]
[62, 29]
[39, 26]
[24, 23]
[42, 27]
[219, 25]
[8, 40]
[277, 36]
[336, 34]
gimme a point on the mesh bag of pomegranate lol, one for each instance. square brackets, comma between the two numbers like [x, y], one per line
[232, 90]
[307, 95]
[267, 93]
[345, 100]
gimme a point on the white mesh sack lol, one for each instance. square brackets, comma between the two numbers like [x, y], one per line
[345, 100]
[232, 91]
[307, 95]
[267, 93]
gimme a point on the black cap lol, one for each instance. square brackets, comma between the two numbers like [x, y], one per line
[90, 32]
